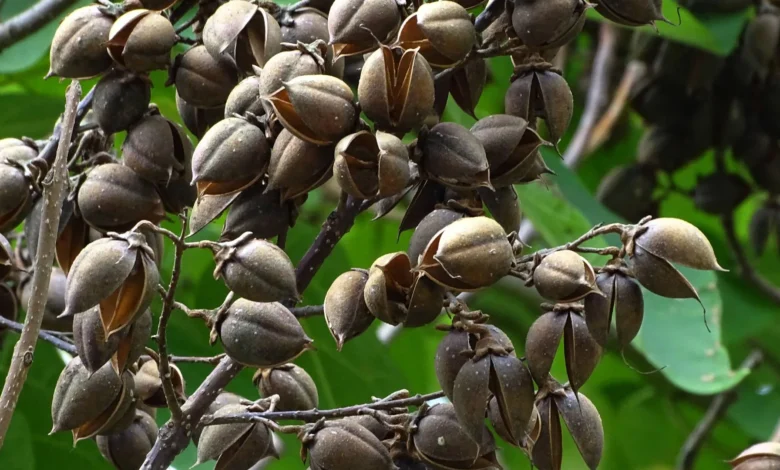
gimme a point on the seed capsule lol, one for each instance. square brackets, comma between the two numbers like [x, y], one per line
[346, 312]
[256, 270]
[307, 25]
[632, 12]
[428, 228]
[127, 449]
[198, 120]
[720, 193]
[315, 108]
[121, 99]
[157, 149]
[260, 212]
[114, 197]
[677, 241]
[452, 156]
[396, 88]
[148, 384]
[628, 191]
[543, 94]
[504, 206]
[467, 84]
[548, 25]
[55, 302]
[203, 81]
[355, 25]
[298, 166]
[234, 445]
[295, 387]
[78, 49]
[15, 196]
[623, 298]
[564, 276]
[532, 431]
[122, 349]
[19, 150]
[368, 165]
[442, 30]
[245, 98]
[762, 456]
[141, 40]
[344, 444]
[451, 355]
[283, 339]
[6, 258]
[118, 274]
[290, 64]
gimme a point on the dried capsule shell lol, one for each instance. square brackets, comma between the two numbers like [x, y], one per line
[344, 444]
[659, 276]
[374, 426]
[355, 25]
[208, 207]
[471, 394]
[55, 302]
[257, 270]
[441, 442]
[245, 98]
[295, 387]
[584, 423]
[141, 40]
[234, 445]
[427, 228]
[396, 88]
[542, 342]
[157, 149]
[201, 80]
[315, 108]
[346, 312]
[198, 120]
[121, 98]
[547, 25]
[629, 309]
[384, 302]
[148, 384]
[564, 276]
[123, 348]
[15, 196]
[500, 136]
[628, 191]
[632, 12]
[425, 302]
[283, 339]
[260, 212]
[119, 274]
[761, 456]
[287, 65]
[547, 451]
[529, 436]
[581, 351]
[467, 85]
[78, 49]
[442, 30]
[543, 94]
[232, 155]
[454, 157]
[6, 257]
[513, 389]
[599, 309]
[18, 150]
[307, 25]
[127, 449]
[297, 166]
[504, 206]
[450, 358]
[678, 241]
[114, 197]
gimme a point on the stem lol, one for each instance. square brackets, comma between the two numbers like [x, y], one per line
[59, 343]
[313, 415]
[213, 360]
[745, 268]
[55, 185]
[308, 311]
[574, 245]
[715, 412]
[30, 21]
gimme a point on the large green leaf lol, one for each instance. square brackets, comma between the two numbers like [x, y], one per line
[673, 334]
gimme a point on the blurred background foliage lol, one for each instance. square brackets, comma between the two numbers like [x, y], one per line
[646, 417]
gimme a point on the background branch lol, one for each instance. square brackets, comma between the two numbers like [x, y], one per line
[55, 186]
[745, 268]
[30, 21]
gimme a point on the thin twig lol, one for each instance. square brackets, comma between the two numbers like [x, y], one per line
[31, 20]
[601, 131]
[213, 360]
[308, 311]
[59, 343]
[745, 268]
[313, 415]
[55, 186]
[715, 412]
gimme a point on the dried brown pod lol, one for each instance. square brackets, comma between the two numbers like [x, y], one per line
[117, 273]
[504, 206]
[127, 449]
[632, 12]
[396, 88]
[260, 212]
[346, 312]
[290, 64]
[55, 302]
[424, 302]
[298, 166]
[581, 351]
[198, 120]
[245, 98]
[355, 25]
[294, 386]
[148, 384]
[343, 444]
[371, 165]
[443, 32]
[627, 190]
[531, 434]
[235, 445]
[19, 150]
[452, 156]
[114, 197]
[565, 276]
[201, 80]
[6, 257]
[121, 99]
[78, 49]
[89, 403]
[256, 269]
[439, 440]
[305, 25]
[674, 241]
[427, 228]
[394, 295]
[157, 149]
[467, 85]
[548, 25]
[451, 355]
[622, 298]
[542, 94]
[15, 196]
[122, 349]
[315, 108]
[720, 193]
[141, 40]
[761, 456]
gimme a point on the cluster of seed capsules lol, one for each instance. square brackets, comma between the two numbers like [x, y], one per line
[282, 100]
[693, 102]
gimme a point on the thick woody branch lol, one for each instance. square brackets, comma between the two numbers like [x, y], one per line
[55, 185]
[30, 21]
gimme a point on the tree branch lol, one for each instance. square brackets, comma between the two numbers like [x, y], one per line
[55, 185]
[308, 311]
[745, 268]
[58, 342]
[717, 409]
[30, 21]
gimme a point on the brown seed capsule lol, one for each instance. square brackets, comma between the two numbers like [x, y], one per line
[19, 150]
[245, 98]
[155, 149]
[623, 298]
[295, 387]
[290, 64]
[761, 456]
[660, 277]
[386, 289]
[425, 302]
[89, 403]
[504, 206]
[260, 212]
[256, 270]
[632, 12]
[127, 449]
[467, 85]
[6, 258]
[677, 241]
[122, 349]
[720, 193]
[452, 156]
[15, 196]
[543, 94]
[374, 426]
[442, 30]
[141, 40]
[78, 49]
[450, 357]
[148, 384]
[355, 25]
[346, 312]
[55, 302]
[368, 165]
[198, 120]
[628, 191]
[344, 444]
[208, 207]
[234, 445]
[315, 108]
[548, 25]
[427, 228]
[240, 35]
[114, 197]
[262, 334]
[118, 274]
[396, 88]
[202, 81]
[441, 441]
[298, 166]
[565, 276]
[306, 25]
[532, 431]
[121, 99]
